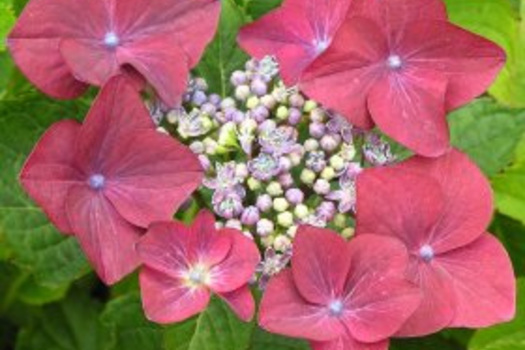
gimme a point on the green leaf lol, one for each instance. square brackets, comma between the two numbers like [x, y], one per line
[218, 328]
[33, 242]
[512, 234]
[508, 336]
[7, 20]
[72, 324]
[262, 340]
[131, 330]
[497, 20]
[488, 133]
[258, 8]
[223, 55]
[433, 342]
[508, 187]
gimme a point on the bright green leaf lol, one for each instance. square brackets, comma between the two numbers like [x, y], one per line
[223, 55]
[7, 19]
[497, 20]
[488, 133]
[258, 8]
[508, 336]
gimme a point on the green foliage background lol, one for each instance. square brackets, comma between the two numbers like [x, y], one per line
[51, 300]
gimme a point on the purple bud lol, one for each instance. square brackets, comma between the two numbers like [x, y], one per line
[267, 126]
[286, 180]
[250, 216]
[227, 204]
[294, 196]
[229, 113]
[316, 161]
[296, 100]
[322, 187]
[215, 99]
[220, 117]
[238, 78]
[330, 142]
[238, 117]
[199, 98]
[317, 130]
[295, 116]
[285, 164]
[259, 87]
[264, 227]
[326, 211]
[260, 113]
[264, 202]
[205, 162]
[208, 108]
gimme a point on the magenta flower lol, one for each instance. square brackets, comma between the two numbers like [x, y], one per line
[402, 63]
[440, 208]
[184, 264]
[64, 45]
[352, 295]
[106, 180]
[297, 33]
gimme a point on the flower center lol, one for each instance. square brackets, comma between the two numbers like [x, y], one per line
[197, 276]
[111, 40]
[321, 45]
[394, 62]
[97, 181]
[426, 253]
[336, 308]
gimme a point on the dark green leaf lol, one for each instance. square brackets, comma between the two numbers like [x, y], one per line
[69, 325]
[512, 234]
[223, 55]
[488, 133]
[262, 340]
[258, 8]
[33, 242]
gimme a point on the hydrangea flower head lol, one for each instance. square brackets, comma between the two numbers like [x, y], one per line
[297, 33]
[352, 294]
[183, 265]
[402, 65]
[107, 179]
[440, 208]
[63, 46]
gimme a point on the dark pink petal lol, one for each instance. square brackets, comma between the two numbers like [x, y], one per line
[396, 15]
[348, 343]
[167, 300]
[468, 198]
[149, 180]
[192, 23]
[117, 111]
[41, 62]
[297, 33]
[470, 62]
[320, 264]
[409, 106]
[342, 77]
[284, 311]
[238, 266]
[90, 61]
[241, 301]
[162, 62]
[483, 282]
[35, 41]
[106, 238]
[400, 203]
[437, 306]
[172, 247]
[48, 173]
[378, 298]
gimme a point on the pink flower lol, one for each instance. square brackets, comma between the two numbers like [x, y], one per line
[440, 208]
[296, 33]
[401, 65]
[106, 180]
[341, 295]
[182, 265]
[64, 45]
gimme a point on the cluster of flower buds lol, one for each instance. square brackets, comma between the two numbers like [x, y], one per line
[274, 159]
